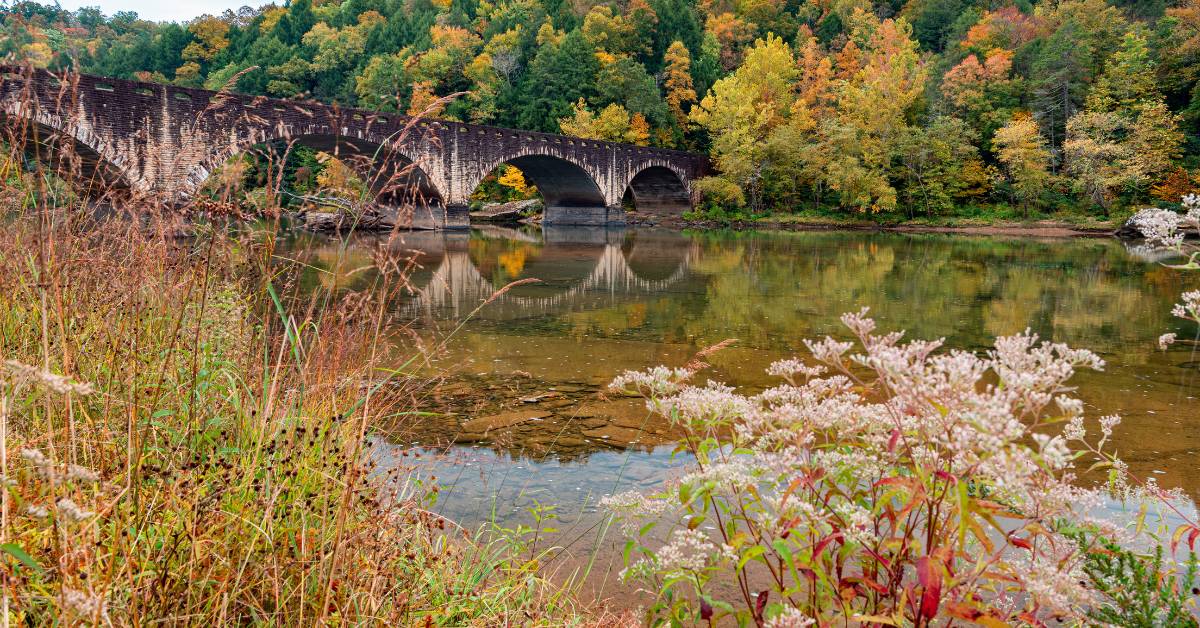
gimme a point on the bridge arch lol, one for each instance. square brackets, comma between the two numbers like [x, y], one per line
[72, 149]
[393, 174]
[569, 186]
[659, 188]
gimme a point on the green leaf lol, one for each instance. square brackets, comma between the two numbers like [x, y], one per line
[25, 559]
[785, 552]
[751, 554]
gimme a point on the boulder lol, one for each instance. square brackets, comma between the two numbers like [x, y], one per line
[504, 420]
[511, 212]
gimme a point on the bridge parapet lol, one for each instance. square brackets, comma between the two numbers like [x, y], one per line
[166, 140]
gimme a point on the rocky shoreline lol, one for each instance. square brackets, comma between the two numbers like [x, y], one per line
[524, 416]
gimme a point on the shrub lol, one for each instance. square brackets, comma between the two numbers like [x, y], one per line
[891, 486]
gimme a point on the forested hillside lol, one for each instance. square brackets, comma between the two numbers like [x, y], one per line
[920, 106]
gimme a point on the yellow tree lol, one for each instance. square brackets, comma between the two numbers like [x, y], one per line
[613, 124]
[741, 112]
[1022, 150]
[210, 38]
[678, 81]
[874, 108]
[515, 179]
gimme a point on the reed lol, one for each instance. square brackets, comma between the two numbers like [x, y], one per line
[184, 427]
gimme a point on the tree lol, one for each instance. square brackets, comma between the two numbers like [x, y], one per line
[610, 32]
[295, 22]
[613, 124]
[561, 73]
[1127, 140]
[626, 82]
[209, 38]
[732, 33]
[515, 179]
[1128, 80]
[939, 165]
[874, 110]
[1094, 155]
[1155, 144]
[385, 83]
[983, 93]
[677, 81]
[1022, 151]
[742, 110]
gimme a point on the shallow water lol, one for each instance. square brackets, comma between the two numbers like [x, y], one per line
[526, 371]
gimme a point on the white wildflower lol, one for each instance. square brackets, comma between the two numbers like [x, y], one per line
[828, 350]
[1070, 406]
[859, 524]
[631, 507]
[656, 382]
[37, 512]
[790, 617]
[1054, 450]
[1074, 429]
[83, 605]
[71, 511]
[82, 474]
[1190, 307]
[790, 368]
[1165, 341]
[1159, 226]
[41, 464]
[22, 374]
[1107, 423]
[691, 550]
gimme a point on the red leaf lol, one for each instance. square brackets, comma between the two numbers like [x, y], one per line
[893, 440]
[760, 603]
[879, 588]
[706, 610]
[887, 564]
[946, 476]
[819, 547]
[1192, 539]
[930, 578]
[1020, 542]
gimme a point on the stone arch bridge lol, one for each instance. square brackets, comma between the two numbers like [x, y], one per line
[158, 140]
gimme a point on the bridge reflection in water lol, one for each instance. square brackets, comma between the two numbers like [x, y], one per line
[539, 412]
[576, 268]
[453, 273]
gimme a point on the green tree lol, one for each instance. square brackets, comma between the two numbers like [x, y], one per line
[560, 74]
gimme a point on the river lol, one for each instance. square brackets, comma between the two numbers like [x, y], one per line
[523, 419]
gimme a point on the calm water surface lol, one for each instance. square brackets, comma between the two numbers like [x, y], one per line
[532, 363]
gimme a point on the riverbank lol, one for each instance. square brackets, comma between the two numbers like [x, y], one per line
[1047, 227]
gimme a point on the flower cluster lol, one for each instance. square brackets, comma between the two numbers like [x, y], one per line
[891, 472]
[18, 375]
[1165, 229]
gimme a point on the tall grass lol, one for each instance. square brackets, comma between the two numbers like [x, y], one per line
[183, 434]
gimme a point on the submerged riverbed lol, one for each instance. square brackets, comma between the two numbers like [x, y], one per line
[523, 419]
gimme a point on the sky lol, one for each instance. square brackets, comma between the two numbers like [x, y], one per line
[161, 10]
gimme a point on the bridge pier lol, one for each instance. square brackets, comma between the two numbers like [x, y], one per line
[458, 217]
[426, 217]
[586, 216]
